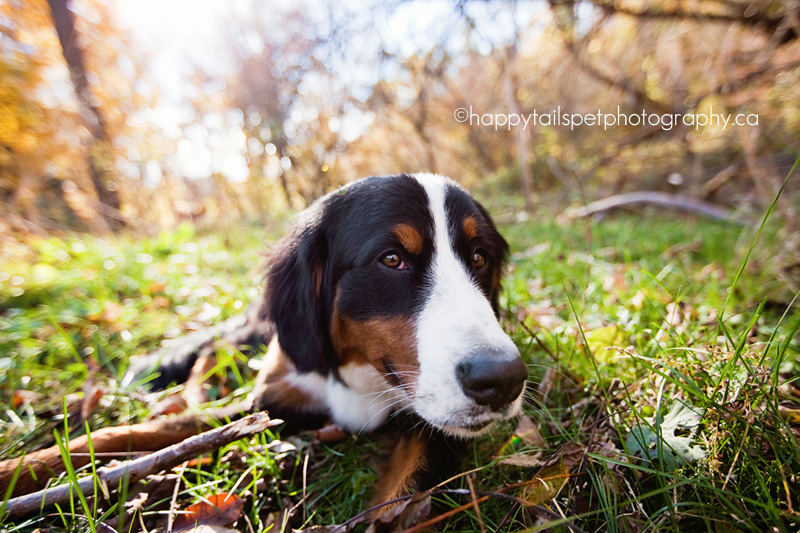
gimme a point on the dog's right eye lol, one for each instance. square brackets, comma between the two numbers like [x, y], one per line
[393, 261]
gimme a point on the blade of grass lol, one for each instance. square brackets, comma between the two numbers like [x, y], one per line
[761, 227]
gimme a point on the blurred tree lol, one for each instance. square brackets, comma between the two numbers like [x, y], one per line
[34, 144]
[99, 153]
[301, 101]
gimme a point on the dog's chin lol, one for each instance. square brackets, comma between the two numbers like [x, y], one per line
[469, 431]
[469, 427]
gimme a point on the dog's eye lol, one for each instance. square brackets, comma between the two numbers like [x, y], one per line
[478, 260]
[393, 260]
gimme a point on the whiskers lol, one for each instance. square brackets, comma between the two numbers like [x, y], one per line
[394, 399]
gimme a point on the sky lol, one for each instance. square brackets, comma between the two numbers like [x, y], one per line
[176, 35]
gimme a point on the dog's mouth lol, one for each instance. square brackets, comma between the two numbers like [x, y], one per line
[476, 421]
[468, 430]
[474, 426]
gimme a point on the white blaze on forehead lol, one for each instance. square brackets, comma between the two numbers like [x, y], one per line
[456, 321]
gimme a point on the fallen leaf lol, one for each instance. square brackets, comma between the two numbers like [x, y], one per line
[112, 312]
[601, 339]
[161, 301]
[199, 461]
[211, 529]
[676, 450]
[217, 510]
[137, 503]
[524, 460]
[792, 416]
[403, 516]
[331, 433]
[169, 405]
[91, 398]
[548, 381]
[22, 396]
[156, 286]
[546, 485]
[528, 432]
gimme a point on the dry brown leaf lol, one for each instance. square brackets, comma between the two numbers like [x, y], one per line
[331, 433]
[21, 396]
[210, 528]
[546, 485]
[91, 399]
[112, 312]
[200, 461]
[402, 516]
[138, 501]
[524, 460]
[161, 301]
[156, 286]
[220, 509]
[528, 432]
[171, 404]
[792, 416]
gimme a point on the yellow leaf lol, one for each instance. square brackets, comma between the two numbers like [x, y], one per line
[546, 485]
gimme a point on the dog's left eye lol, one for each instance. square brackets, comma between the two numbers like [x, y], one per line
[478, 260]
[393, 261]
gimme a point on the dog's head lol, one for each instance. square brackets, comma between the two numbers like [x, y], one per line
[391, 285]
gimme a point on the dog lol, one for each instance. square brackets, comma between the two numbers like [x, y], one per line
[381, 306]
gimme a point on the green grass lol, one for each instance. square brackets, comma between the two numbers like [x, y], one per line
[621, 332]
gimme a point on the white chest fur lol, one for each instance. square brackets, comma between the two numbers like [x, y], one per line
[361, 400]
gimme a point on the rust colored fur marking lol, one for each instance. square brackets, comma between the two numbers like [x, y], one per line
[470, 226]
[274, 386]
[407, 458]
[385, 343]
[409, 237]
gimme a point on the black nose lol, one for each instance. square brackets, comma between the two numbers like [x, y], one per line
[491, 380]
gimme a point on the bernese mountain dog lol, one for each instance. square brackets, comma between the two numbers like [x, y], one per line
[382, 303]
[381, 307]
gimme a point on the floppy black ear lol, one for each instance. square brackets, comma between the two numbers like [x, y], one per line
[297, 299]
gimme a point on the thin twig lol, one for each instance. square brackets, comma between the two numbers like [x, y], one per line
[451, 512]
[140, 468]
[475, 503]
[173, 504]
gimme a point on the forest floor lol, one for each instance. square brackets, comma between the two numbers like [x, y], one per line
[663, 390]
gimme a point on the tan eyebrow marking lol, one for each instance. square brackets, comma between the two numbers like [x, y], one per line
[410, 238]
[470, 226]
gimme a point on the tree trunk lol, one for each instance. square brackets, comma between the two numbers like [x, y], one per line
[99, 149]
[522, 135]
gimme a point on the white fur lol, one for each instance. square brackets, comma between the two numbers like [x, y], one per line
[456, 320]
[361, 400]
[312, 383]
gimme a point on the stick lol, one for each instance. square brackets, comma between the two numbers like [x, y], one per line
[655, 198]
[140, 468]
[41, 465]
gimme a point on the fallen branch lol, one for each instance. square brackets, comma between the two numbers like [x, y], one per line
[118, 441]
[720, 179]
[138, 469]
[672, 201]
